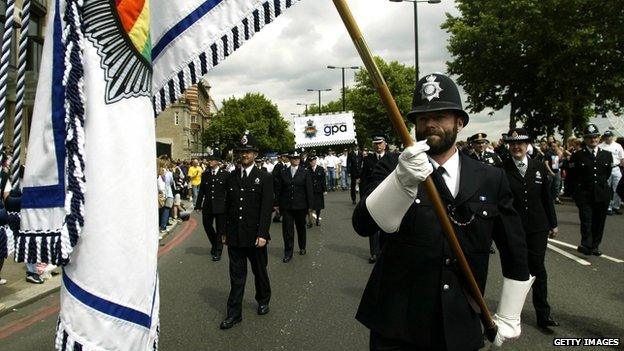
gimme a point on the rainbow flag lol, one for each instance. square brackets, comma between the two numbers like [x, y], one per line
[88, 203]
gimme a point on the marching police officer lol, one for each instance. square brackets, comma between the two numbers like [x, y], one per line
[319, 189]
[249, 199]
[414, 299]
[375, 241]
[211, 201]
[590, 169]
[353, 164]
[294, 191]
[282, 162]
[534, 203]
[479, 144]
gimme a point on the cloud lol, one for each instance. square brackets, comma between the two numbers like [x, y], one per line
[291, 54]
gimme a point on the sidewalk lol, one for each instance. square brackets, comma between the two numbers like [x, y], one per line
[17, 292]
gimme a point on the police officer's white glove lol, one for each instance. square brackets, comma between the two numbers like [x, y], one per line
[388, 203]
[507, 318]
[413, 167]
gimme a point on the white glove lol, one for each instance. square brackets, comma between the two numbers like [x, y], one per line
[507, 318]
[388, 203]
[413, 167]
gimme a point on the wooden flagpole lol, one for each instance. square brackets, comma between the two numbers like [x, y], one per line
[399, 125]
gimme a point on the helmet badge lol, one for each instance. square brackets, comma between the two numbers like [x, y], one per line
[431, 89]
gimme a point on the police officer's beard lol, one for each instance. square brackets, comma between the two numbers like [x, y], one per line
[438, 146]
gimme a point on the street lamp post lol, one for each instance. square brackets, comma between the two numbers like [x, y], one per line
[344, 106]
[319, 94]
[416, 28]
[303, 104]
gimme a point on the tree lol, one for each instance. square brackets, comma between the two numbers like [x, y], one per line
[555, 62]
[253, 112]
[369, 112]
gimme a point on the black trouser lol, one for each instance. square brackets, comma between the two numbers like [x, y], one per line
[214, 235]
[536, 245]
[592, 216]
[258, 259]
[290, 219]
[374, 244]
[353, 185]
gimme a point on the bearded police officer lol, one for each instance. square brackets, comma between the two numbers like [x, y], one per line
[534, 202]
[295, 195]
[211, 200]
[479, 143]
[375, 241]
[414, 299]
[590, 169]
[249, 200]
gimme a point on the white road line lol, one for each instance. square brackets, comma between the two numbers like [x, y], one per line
[569, 255]
[562, 243]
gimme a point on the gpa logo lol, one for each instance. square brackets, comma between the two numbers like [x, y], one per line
[310, 129]
[331, 129]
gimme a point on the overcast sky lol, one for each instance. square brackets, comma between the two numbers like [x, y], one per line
[291, 54]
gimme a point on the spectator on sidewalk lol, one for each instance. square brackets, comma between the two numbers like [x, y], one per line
[344, 170]
[194, 174]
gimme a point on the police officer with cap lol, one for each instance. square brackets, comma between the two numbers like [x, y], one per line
[534, 203]
[249, 200]
[590, 169]
[294, 192]
[375, 241]
[414, 299]
[211, 202]
[479, 144]
[282, 162]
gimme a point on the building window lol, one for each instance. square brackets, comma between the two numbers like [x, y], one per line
[176, 118]
[193, 119]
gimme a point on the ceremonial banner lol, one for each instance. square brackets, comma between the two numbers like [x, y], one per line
[324, 129]
[89, 191]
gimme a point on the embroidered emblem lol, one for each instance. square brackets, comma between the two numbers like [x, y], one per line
[538, 175]
[120, 33]
[431, 89]
[244, 139]
[592, 129]
[257, 181]
[514, 134]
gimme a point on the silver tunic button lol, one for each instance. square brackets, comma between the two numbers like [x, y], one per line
[417, 201]
[241, 217]
[241, 199]
[485, 213]
[447, 262]
[446, 287]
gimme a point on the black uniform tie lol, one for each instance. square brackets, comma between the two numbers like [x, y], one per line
[244, 174]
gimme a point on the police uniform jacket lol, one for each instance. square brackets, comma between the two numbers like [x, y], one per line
[489, 158]
[211, 196]
[249, 203]
[368, 165]
[589, 175]
[294, 193]
[532, 196]
[353, 164]
[318, 187]
[415, 290]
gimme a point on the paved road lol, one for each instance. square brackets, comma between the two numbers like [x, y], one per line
[315, 296]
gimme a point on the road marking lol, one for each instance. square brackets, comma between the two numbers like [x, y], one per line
[562, 243]
[45, 313]
[569, 255]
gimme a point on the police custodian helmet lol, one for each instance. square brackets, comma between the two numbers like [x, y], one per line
[436, 92]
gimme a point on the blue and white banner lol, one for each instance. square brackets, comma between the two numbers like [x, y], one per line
[324, 129]
[89, 191]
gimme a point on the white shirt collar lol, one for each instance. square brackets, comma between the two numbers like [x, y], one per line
[451, 172]
[380, 155]
[248, 169]
[216, 169]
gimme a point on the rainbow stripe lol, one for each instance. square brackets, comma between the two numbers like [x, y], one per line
[135, 18]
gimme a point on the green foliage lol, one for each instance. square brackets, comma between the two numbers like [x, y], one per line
[556, 62]
[253, 112]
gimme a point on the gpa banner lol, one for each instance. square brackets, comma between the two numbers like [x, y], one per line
[325, 129]
[90, 198]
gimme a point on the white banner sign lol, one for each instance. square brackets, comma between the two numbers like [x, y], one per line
[325, 129]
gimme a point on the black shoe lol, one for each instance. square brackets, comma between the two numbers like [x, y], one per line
[216, 258]
[286, 259]
[609, 212]
[584, 250]
[372, 259]
[617, 211]
[546, 323]
[230, 321]
[318, 223]
[596, 252]
[33, 278]
[302, 252]
[309, 225]
[263, 309]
